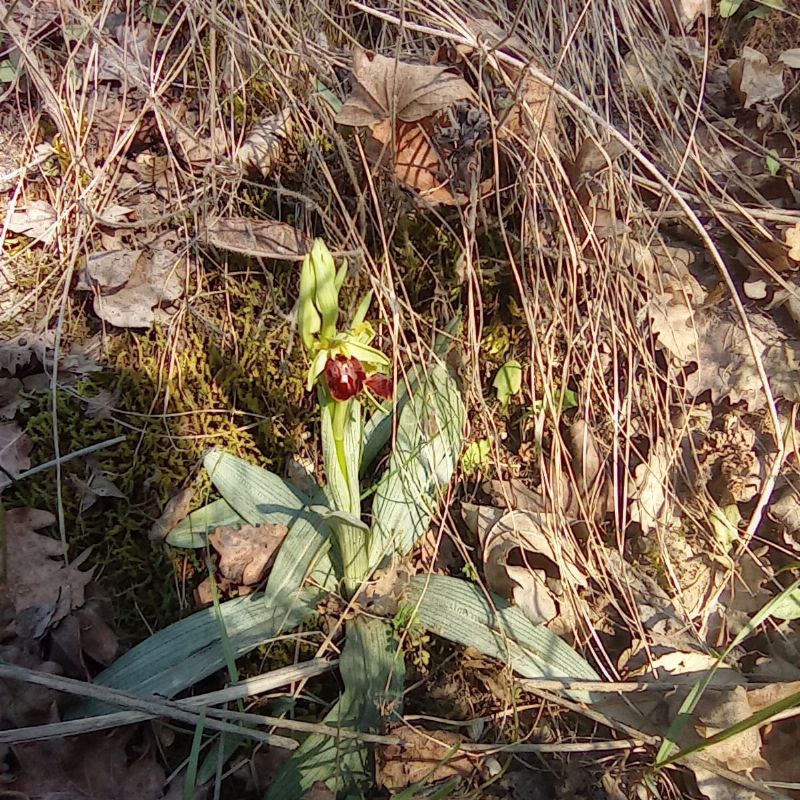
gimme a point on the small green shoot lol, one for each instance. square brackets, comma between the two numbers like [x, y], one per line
[773, 162]
[725, 524]
[508, 381]
[727, 8]
[476, 457]
[563, 400]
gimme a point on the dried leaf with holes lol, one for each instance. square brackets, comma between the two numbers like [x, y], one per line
[263, 148]
[259, 238]
[420, 756]
[246, 553]
[42, 585]
[388, 89]
[754, 79]
[36, 219]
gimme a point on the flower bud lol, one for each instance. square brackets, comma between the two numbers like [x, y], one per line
[327, 295]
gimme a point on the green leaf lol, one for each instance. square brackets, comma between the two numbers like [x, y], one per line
[378, 429]
[373, 673]
[773, 163]
[788, 605]
[429, 440]
[463, 613]
[8, 71]
[508, 381]
[187, 651]
[192, 532]
[257, 495]
[727, 8]
[476, 457]
[330, 98]
[342, 455]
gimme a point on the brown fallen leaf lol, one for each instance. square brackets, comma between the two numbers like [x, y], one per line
[10, 400]
[388, 89]
[421, 755]
[416, 161]
[94, 766]
[755, 79]
[247, 552]
[130, 285]
[36, 219]
[792, 238]
[529, 113]
[263, 147]
[683, 13]
[21, 703]
[15, 450]
[525, 558]
[43, 587]
[260, 238]
[176, 509]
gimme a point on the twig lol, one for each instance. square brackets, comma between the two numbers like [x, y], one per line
[84, 451]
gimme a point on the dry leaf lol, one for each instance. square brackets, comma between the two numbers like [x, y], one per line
[387, 89]
[264, 144]
[10, 400]
[754, 79]
[95, 766]
[37, 220]
[15, 451]
[130, 284]
[247, 552]
[792, 239]
[649, 506]
[526, 558]
[421, 756]
[791, 58]
[683, 13]
[42, 587]
[260, 238]
[417, 164]
[176, 509]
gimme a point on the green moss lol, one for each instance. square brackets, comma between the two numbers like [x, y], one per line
[224, 377]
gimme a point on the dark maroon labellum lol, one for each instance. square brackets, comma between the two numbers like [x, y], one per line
[345, 377]
[381, 385]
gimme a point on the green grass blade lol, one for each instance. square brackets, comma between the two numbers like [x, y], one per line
[670, 743]
[429, 440]
[373, 675]
[461, 612]
[753, 721]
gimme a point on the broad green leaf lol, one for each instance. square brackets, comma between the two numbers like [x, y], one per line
[373, 673]
[257, 495]
[508, 381]
[727, 8]
[378, 429]
[429, 440]
[192, 532]
[773, 164]
[476, 456]
[187, 651]
[463, 613]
